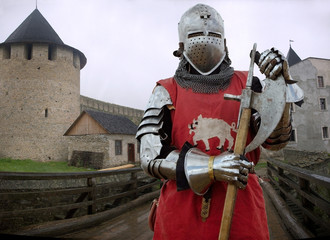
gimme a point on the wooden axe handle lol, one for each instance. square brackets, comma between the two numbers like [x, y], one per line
[240, 143]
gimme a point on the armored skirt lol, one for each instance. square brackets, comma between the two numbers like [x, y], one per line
[208, 122]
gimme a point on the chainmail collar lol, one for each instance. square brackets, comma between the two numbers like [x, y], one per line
[204, 84]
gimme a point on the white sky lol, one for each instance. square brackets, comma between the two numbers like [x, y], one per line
[129, 43]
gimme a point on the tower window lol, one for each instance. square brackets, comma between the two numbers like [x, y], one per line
[325, 132]
[320, 82]
[46, 112]
[28, 51]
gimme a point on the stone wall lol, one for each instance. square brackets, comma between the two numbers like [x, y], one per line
[135, 115]
[105, 144]
[87, 159]
[317, 161]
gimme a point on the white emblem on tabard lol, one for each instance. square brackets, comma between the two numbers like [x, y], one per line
[207, 128]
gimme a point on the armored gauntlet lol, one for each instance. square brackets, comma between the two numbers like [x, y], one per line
[273, 63]
[201, 169]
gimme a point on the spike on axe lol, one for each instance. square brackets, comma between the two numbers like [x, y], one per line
[270, 105]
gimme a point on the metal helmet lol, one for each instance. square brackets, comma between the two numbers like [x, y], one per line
[201, 31]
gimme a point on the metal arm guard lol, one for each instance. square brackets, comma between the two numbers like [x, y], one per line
[158, 159]
[197, 171]
[281, 135]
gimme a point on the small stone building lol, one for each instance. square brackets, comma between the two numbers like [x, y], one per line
[102, 140]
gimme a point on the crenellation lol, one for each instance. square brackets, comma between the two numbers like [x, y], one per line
[64, 54]
[39, 52]
[5, 52]
[18, 51]
[133, 114]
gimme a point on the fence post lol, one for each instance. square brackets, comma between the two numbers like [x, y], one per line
[304, 185]
[269, 172]
[134, 185]
[280, 182]
[91, 196]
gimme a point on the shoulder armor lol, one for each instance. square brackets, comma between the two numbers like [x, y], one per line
[159, 98]
[152, 121]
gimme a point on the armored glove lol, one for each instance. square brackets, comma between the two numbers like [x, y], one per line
[273, 63]
[201, 169]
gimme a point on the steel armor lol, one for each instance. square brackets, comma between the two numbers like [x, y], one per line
[201, 31]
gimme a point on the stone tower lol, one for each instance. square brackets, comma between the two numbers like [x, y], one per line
[39, 91]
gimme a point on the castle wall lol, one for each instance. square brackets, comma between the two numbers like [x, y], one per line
[135, 115]
[39, 100]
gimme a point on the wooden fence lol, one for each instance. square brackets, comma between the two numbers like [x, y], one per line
[31, 198]
[306, 193]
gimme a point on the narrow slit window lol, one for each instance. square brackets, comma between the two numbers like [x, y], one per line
[325, 132]
[46, 112]
[29, 51]
[50, 50]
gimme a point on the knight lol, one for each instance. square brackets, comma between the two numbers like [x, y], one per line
[195, 171]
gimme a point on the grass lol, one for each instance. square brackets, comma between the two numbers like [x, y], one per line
[260, 165]
[12, 165]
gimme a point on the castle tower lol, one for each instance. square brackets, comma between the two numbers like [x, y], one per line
[39, 91]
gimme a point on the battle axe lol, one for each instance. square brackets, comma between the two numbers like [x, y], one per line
[270, 105]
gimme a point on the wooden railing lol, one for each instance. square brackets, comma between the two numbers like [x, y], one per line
[31, 198]
[306, 193]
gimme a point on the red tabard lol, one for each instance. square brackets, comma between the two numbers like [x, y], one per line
[208, 122]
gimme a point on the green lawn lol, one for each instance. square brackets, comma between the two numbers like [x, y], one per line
[261, 165]
[11, 165]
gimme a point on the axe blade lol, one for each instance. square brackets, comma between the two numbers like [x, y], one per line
[270, 105]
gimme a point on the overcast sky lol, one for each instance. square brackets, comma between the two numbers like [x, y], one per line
[129, 43]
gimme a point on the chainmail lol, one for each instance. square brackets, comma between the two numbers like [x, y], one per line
[204, 84]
